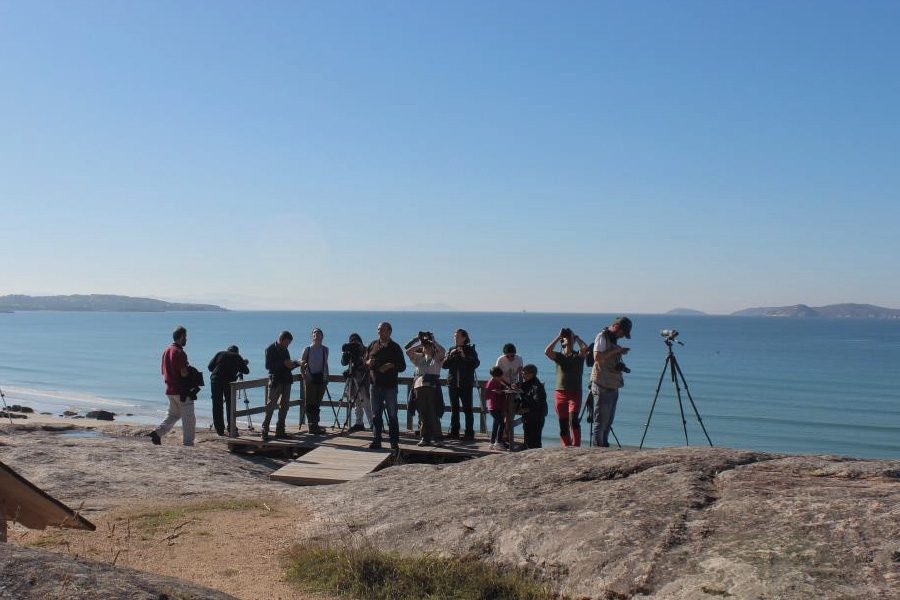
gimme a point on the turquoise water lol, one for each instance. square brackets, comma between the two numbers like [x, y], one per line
[783, 385]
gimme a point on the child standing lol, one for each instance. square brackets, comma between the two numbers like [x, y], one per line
[496, 404]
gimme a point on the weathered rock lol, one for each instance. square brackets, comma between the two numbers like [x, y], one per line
[108, 470]
[69, 413]
[678, 524]
[101, 415]
[684, 523]
[11, 415]
[31, 574]
[21, 409]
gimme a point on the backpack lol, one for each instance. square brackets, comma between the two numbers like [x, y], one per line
[589, 357]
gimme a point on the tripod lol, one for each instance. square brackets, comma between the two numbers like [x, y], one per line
[5, 407]
[589, 408]
[350, 395]
[675, 373]
[246, 404]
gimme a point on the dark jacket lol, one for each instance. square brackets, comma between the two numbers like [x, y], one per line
[225, 367]
[534, 398]
[275, 357]
[461, 368]
[383, 354]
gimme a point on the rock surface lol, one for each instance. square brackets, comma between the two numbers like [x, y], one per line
[682, 523]
[104, 471]
[101, 415]
[676, 523]
[39, 575]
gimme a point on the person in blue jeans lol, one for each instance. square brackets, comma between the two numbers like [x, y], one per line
[385, 361]
[606, 377]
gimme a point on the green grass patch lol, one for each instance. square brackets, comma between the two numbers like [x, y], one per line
[158, 519]
[48, 541]
[375, 575]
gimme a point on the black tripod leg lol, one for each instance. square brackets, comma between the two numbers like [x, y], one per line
[615, 437]
[589, 408]
[655, 396]
[694, 406]
[673, 366]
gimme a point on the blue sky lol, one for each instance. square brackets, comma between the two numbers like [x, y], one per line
[577, 156]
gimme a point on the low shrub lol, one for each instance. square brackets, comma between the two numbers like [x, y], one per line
[375, 575]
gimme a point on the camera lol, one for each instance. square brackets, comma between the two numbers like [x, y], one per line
[351, 353]
[669, 334]
[425, 336]
[622, 367]
[565, 332]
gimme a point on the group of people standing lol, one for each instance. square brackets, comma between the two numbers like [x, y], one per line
[373, 376]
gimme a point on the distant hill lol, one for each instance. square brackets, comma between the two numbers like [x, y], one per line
[97, 302]
[847, 311]
[685, 312]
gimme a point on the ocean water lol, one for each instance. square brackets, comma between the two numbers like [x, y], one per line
[782, 385]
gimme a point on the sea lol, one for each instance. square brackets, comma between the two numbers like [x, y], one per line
[786, 385]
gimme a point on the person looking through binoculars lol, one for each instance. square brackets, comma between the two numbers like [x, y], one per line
[461, 362]
[569, 373]
[314, 366]
[427, 355]
[353, 357]
[606, 376]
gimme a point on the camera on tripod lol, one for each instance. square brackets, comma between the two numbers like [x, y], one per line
[352, 356]
[669, 334]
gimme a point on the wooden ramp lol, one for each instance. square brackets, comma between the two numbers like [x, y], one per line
[331, 463]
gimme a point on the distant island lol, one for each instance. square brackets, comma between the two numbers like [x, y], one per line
[847, 311]
[97, 302]
[685, 312]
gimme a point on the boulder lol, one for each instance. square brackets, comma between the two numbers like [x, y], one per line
[32, 574]
[101, 415]
[681, 523]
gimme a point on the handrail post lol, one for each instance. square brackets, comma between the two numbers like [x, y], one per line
[482, 417]
[232, 418]
[302, 406]
[409, 413]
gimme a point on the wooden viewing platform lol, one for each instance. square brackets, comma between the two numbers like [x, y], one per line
[339, 455]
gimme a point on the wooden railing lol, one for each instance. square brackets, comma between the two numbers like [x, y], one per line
[340, 402]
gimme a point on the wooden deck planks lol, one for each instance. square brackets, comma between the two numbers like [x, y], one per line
[331, 463]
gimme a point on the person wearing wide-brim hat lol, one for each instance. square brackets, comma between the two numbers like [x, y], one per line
[606, 376]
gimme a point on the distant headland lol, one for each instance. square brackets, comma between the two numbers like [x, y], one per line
[97, 303]
[848, 311]
[685, 312]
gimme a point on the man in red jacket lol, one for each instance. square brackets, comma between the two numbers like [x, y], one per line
[181, 406]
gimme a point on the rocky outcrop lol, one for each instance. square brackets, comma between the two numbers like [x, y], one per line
[99, 472]
[31, 574]
[101, 415]
[676, 524]
[681, 523]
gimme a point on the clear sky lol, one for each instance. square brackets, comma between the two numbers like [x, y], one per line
[547, 156]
